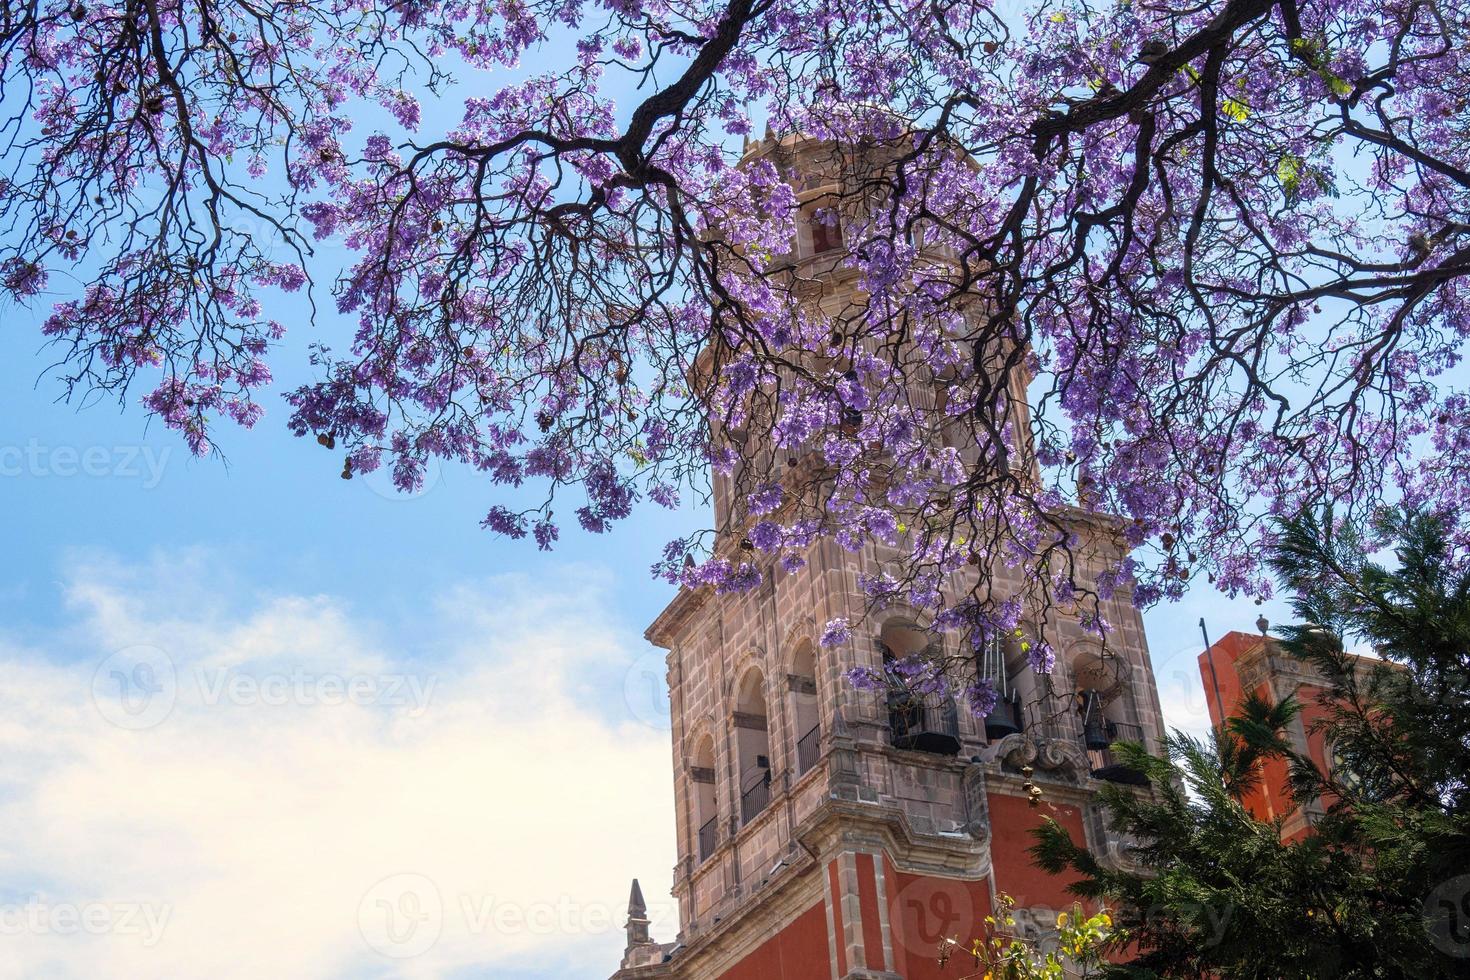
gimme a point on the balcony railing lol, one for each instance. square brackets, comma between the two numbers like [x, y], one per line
[708, 838]
[923, 722]
[754, 799]
[808, 749]
[1104, 762]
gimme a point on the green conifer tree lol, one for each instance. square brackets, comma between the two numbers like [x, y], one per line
[1380, 887]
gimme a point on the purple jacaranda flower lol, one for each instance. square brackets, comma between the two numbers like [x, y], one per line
[981, 697]
[836, 632]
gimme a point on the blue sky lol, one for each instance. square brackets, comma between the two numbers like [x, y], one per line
[527, 772]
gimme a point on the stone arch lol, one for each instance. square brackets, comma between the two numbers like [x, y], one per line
[921, 618]
[704, 793]
[704, 726]
[753, 657]
[803, 696]
[751, 723]
[803, 629]
[1105, 690]
[903, 632]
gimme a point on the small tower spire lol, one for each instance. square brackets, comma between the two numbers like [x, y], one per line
[638, 938]
[636, 906]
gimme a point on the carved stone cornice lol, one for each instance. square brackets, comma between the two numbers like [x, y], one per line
[843, 825]
[663, 630]
[1054, 756]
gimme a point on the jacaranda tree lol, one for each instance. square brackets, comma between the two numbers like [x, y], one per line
[1222, 250]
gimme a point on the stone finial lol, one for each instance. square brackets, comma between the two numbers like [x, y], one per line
[1262, 624]
[636, 906]
[641, 949]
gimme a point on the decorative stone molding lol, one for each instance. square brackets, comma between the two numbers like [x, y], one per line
[844, 778]
[743, 719]
[1015, 751]
[1112, 848]
[1036, 924]
[1055, 756]
[847, 825]
[1062, 758]
[977, 803]
[797, 684]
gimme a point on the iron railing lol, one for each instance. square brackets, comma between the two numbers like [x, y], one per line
[708, 837]
[808, 749]
[754, 799]
[923, 722]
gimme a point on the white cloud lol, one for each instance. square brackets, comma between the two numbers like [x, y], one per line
[306, 756]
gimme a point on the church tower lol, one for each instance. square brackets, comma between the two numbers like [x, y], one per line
[826, 832]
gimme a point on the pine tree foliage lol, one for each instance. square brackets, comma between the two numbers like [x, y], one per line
[1380, 886]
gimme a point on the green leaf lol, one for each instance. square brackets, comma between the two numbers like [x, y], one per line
[1340, 86]
[1289, 173]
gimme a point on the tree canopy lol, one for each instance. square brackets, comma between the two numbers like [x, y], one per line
[1378, 886]
[1219, 251]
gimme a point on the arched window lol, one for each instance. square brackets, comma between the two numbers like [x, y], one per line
[826, 230]
[753, 745]
[706, 804]
[804, 707]
[1105, 702]
[1002, 662]
[918, 719]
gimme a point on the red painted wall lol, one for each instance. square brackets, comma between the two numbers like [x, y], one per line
[922, 910]
[798, 952]
[1012, 819]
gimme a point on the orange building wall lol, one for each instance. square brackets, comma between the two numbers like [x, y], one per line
[1270, 798]
[1224, 653]
[1223, 693]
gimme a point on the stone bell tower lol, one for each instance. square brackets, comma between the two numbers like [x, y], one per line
[827, 832]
